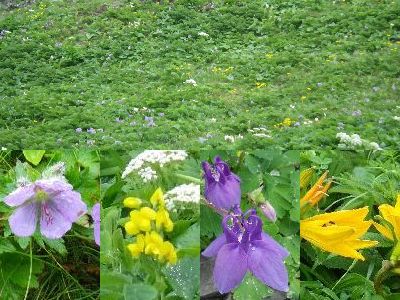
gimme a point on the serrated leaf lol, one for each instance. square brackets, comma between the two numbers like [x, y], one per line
[139, 291]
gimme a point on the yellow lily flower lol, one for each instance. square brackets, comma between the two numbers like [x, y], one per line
[305, 177]
[316, 193]
[338, 232]
[391, 215]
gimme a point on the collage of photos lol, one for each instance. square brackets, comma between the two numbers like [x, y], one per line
[183, 225]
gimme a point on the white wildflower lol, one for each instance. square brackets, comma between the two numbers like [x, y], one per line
[202, 33]
[181, 195]
[275, 173]
[152, 157]
[191, 81]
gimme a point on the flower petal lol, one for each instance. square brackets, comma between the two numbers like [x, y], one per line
[272, 244]
[268, 266]
[53, 186]
[69, 203]
[97, 233]
[23, 220]
[20, 195]
[53, 223]
[230, 267]
[213, 248]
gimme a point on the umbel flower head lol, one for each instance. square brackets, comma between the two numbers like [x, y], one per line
[96, 222]
[50, 201]
[392, 216]
[338, 232]
[147, 225]
[222, 187]
[243, 247]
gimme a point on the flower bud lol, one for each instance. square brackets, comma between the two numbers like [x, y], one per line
[268, 211]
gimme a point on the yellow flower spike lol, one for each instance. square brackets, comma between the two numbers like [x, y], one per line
[157, 198]
[137, 248]
[148, 213]
[141, 221]
[163, 220]
[316, 193]
[338, 232]
[168, 252]
[391, 215]
[305, 177]
[131, 228]
[169, 225]
[132, 202]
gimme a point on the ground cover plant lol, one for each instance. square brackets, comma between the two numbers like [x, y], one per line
[150, 225]
[48, 248]
[349, 225]
[199, 73]
[250, 224]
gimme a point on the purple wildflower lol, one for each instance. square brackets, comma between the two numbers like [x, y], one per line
[91, 131]
[96, 222]
[243, 247]
[51, 201]
[222, 187]
[78, 130]
[356, 113]
[268, 211]
[150, 121]
[118, 120]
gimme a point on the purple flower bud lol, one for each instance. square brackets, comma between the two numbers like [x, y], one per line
[268, 211]
[222, 187]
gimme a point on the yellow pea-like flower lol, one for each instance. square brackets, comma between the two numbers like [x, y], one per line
[148, 213]
[169, 253]
[132, 202]
[131, 228]
[157, 199]
[141, 221]
[137, 248]
[163, 220]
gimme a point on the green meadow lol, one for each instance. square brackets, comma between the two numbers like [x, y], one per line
[199, 74]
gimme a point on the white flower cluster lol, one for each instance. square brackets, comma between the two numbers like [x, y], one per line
[191, 81]
[202, 33]
[232, 139]
[260, 132]
[354, 141]
[150, 157]
[184, 193]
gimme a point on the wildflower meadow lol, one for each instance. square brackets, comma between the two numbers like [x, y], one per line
[190, 74]
[49, 246]
[350, 210]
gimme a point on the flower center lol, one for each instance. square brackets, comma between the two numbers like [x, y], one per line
[215, 174]
[41, 196]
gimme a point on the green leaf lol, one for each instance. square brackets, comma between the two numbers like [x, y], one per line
[57, 245]
[251, 289]
[188, 242]
[184, 278]
[34, 156]
[139, 291]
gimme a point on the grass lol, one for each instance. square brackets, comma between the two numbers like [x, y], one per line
[108, 64]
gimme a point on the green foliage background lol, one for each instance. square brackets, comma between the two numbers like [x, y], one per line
[278, 172]
[37, 267]
[69, 64]
[360, 179]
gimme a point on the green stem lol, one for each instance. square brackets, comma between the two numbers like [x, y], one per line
[30, 271]
[381, 275]
[189, 178]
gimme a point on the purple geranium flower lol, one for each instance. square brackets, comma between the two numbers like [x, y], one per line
[96, 221]
[222, 187]
[244, 247]
[52, 202]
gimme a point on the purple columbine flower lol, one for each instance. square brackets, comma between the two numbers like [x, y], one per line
[52, 202]
[96, 222]
[245, 247]
[222, 187]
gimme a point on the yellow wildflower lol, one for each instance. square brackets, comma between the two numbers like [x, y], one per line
[287, 122]
[303, 98]
[157, 198]
[137, 248]
[163, 219]
[391, 215]
[316, 193]
[305, 177]
[141, 220]
[132, 202]
[131, 228]
[338, 232]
